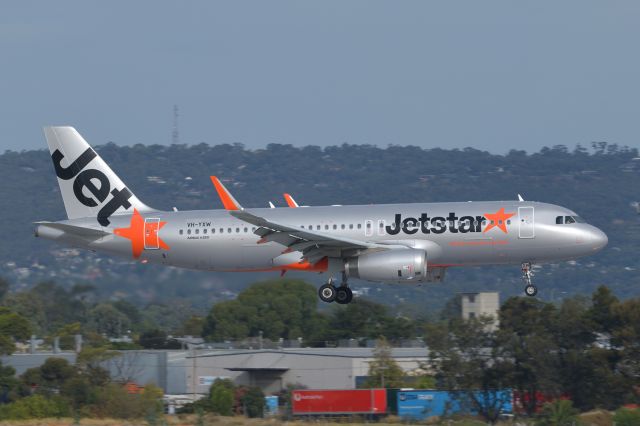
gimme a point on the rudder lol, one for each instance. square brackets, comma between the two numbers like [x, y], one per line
[88, 185]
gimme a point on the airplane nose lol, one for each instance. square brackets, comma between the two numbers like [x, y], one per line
[598, 238]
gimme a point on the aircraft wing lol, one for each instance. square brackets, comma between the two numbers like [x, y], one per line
[313, 245]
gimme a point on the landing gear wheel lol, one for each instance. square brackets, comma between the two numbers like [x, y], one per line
[531, 290]
[327, 292]
[344, 295]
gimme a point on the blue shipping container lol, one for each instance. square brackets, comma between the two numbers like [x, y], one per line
[271, 405]
[422, 404]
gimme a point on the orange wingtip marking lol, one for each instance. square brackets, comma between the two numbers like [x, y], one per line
[290, 201]
[225, 197]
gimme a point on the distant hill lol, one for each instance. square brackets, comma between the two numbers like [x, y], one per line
[599, 183]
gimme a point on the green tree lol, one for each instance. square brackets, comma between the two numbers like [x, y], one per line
[526, 339]
[384, 371]
[221, 396]
[35, 406]
[559, 413]
[192, 326]
[469, 361]
[279, 309]
[108, 320]
[13, 327]
[627, 417]
[253, 402]
[8, 383]
[50, 377]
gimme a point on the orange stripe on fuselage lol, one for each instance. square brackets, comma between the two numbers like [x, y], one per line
[478, 243]
[320, 266]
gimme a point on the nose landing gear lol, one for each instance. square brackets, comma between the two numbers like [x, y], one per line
[530, 289]
[329, 293]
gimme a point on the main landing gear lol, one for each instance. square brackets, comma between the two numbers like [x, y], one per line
[330, 293]
[530, 289]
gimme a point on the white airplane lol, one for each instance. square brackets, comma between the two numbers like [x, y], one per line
[399, 243]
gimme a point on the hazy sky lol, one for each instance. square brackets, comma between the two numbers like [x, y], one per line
[492, 75]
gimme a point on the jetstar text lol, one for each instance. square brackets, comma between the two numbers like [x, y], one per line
[435, 225]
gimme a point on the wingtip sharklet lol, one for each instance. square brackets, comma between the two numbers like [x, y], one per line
[290, 201]
[228, 201]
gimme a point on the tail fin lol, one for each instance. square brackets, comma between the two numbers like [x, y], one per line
[88, 185]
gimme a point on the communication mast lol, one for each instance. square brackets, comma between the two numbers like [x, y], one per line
[175, 134]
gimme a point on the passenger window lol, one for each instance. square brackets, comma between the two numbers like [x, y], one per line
[342, 226]
[188, 231]
[197, 231]
[335, 226]
[180, 232]
[559, 220]
[253, 229]
[351, 226]
[237, 230]
[359, 226]
[326, 227]
[318, 227]
[204, 231]
[569, 219]
[229, 230]
[246, 230]
[222, 230]
[213, 230]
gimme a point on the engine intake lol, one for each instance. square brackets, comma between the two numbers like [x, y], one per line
[397, 265]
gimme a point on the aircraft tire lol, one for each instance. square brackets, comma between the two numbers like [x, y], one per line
[350, 296]
[343, 295]
[531, 290]
[327, 293]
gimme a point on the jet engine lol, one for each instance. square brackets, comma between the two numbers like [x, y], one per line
[396, 265]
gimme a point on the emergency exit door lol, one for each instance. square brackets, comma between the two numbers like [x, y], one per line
[526, 215]
[151, 228]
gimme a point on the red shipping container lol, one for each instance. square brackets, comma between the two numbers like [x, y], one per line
[358, 401]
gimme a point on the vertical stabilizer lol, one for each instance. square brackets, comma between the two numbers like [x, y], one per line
[88, 185]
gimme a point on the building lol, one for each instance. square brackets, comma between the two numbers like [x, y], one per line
[191, 372]
[475, 305]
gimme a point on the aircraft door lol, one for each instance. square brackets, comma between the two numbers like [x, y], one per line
[151, 228]
[526, 229]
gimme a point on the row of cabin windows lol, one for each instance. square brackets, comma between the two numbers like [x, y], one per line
[381, 224]
[205, 231]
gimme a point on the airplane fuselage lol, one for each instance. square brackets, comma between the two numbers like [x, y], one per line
[452, 234]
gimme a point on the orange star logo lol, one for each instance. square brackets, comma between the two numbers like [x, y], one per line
[498, 219]
[142, 234]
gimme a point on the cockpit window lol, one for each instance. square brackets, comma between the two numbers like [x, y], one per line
[565, 220]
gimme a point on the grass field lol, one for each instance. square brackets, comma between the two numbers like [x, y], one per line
[595, 418]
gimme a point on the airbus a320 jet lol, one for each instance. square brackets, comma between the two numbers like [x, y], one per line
[394, 243]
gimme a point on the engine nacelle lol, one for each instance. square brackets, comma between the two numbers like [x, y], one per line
[397, 265]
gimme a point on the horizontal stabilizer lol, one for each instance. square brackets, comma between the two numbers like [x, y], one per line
[78, 231]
